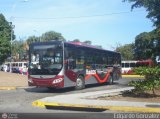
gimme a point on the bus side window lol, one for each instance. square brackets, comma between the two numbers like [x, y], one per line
[70, 60]
[80, 64]
[123, 64]
[71, 63]
[20, 64]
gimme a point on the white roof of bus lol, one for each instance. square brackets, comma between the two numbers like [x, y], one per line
[129, 61]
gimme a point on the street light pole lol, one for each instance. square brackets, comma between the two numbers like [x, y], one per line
[12, 26]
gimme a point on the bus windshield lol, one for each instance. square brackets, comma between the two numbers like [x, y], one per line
[45, 60]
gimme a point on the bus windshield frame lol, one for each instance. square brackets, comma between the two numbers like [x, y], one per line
[45, 59]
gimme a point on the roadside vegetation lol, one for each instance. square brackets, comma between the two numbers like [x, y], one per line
[146, 44]
[146, 90]
[151, 83]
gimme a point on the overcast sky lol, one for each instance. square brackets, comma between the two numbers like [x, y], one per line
[104, 22]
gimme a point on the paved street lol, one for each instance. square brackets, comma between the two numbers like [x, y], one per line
[20, 100]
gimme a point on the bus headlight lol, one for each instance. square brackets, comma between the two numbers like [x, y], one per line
[30, 80]
[57, 80]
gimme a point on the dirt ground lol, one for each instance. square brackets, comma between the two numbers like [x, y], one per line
[136, 98]
[12, 79]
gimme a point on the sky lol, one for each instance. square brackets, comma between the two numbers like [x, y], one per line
[103, 22]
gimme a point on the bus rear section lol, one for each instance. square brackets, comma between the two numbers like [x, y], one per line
[63, 64]
[127, 66]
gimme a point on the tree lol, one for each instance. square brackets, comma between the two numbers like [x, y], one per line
[5, 39]
[52, 35]
[127, 51]
[156, 42]
[98, 46]
[152, 6]
[87, 42]
[76, 40]
[32, 39]
[19, 49]
[143, 46]
[147, 45]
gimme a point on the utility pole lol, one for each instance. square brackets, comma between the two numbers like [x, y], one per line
[12, 26]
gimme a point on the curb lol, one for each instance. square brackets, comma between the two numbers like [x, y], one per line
[8, 88]
[132, 76]
[111, 108]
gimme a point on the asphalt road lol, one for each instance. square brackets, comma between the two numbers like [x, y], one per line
[20, 100]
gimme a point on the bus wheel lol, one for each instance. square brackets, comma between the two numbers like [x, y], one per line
[110, 80]
[80, 84]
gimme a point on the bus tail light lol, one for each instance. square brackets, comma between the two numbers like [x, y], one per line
[57, 80]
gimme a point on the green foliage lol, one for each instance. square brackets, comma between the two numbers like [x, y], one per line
[98, 46]
[88, 42]
[126, 51]
[143, 46]
[48, 36]
[5, 38]
[33, 39]
[152, 6]
[150, 73]
[151, 82]
[138, 86]
[76, 40]
[147, 45]
[146, 85]
[156, 41]
[18, 50]
[52, 35]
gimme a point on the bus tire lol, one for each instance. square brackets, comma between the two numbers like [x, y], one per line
[110, 80]
[80, 83]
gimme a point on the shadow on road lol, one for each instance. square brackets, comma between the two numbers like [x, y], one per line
[75, 109]
[64, 90]
[155, 106]
[46, 90]
[92, 87]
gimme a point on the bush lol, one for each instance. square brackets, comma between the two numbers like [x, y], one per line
[151, 82]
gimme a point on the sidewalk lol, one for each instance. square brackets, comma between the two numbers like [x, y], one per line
[88, 100]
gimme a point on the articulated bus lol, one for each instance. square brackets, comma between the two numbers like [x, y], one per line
[17, 67]
[58, 64]
[127, 66]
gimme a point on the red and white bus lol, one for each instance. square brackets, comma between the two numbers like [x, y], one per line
[57, 64]
[20, 67]
[127, 66]
[17, 67]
